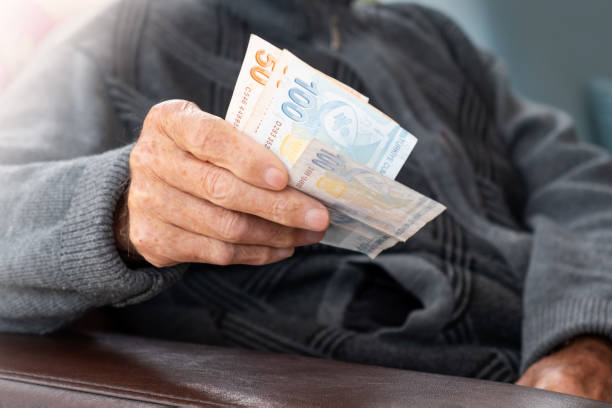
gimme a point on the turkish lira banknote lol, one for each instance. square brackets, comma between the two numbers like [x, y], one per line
[375, 210]
[336, 147]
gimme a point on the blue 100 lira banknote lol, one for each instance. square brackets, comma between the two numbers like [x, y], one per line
[303, 104]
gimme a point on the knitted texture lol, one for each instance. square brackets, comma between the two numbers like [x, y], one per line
[517, 265]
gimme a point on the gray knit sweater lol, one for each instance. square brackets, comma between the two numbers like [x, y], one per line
[520, 262]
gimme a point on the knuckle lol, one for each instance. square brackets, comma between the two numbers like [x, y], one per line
[163, 107]
[192, 254]
[233, 227]
[254, 255]
[183, 106]
[225, 255]
[144, 153]
[204, 135]
[154, 114]
[279, 237]
[157, 115]
[286, 241]
[161, 116]
[265, 256]
[140, 197]
[217, 184]
[282, 208]
[139, 236]
[169, 107]
[291, 238]
[136, 157]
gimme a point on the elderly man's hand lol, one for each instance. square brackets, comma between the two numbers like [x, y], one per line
[201, 191]
[583, 368]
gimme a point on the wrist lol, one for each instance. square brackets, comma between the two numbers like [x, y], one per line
[121, 225]
[121, 232]
[593, 343]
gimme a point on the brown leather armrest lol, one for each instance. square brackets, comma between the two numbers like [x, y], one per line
[108, 370]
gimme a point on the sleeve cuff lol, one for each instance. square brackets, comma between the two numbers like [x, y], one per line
[89, 258]
[548, 327]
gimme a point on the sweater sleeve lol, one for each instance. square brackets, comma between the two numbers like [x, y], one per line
[568, 183]
[63, 167]
[567, 204]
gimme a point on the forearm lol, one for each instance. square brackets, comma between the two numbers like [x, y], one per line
[58, 254]
[568, 208]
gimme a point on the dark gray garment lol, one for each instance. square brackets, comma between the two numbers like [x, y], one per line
[518, 264]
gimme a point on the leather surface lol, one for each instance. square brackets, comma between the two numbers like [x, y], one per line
[18, 394]
[109, 370]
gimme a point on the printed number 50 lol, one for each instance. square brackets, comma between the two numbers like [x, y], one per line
[259, 73]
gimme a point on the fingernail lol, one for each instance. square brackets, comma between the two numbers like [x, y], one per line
[284, 252]
[275, 178]
[313, 236]
[316, 219]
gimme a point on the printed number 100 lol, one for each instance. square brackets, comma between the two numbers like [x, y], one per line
[301, 98]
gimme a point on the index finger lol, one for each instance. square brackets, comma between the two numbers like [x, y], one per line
[212, 139]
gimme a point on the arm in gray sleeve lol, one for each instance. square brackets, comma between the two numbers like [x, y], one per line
[63, 168]
[567, 206]
[568, 286]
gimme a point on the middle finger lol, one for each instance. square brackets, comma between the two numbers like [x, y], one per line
[288, 207]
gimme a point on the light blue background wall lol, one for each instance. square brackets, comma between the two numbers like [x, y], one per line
[551, 48]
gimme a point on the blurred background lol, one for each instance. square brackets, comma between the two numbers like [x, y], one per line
[24, 24]
[555, 51]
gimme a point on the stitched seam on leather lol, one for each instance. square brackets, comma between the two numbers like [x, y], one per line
[101, 388]
[92, 392]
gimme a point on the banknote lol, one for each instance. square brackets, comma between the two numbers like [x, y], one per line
[259, 63]
[356, 191]
[337, 148]
[302, 105]
[348, 233]
[257, 68]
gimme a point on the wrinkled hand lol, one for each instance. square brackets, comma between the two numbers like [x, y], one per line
[583, 368]
[201, 191]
